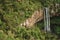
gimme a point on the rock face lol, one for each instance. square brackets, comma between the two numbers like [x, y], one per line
[36, 16]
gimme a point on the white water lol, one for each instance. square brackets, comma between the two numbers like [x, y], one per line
[47, 20]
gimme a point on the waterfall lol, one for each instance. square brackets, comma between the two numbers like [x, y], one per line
[47, 20]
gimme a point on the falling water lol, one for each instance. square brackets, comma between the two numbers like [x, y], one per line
[47, 20]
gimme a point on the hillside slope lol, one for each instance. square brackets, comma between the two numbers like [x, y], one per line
[14, 12]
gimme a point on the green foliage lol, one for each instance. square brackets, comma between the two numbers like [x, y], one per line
[13, 12]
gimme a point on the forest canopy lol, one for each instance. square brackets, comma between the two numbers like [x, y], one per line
[13, 12]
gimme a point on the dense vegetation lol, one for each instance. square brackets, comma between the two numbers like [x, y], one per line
[13, 12]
